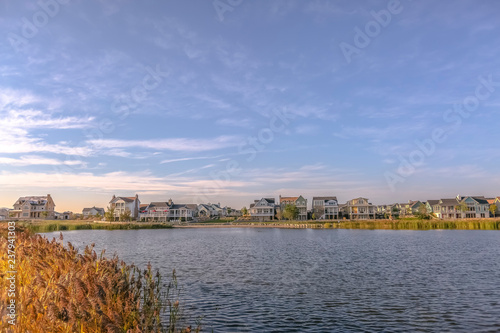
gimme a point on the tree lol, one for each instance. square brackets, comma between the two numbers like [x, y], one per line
[229, 210]
[291, 212]
[98, 216]
[493, 210]
[45, 214]
[461, 207]
[423, 213]
[313, 216]
[244, 211]
[110, 214]
[125, 216]
[279, 215]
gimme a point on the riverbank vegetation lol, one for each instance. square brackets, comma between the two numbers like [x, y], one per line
[63, 225]
[61, 290]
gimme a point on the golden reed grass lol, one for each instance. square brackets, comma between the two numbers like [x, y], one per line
[60, 290]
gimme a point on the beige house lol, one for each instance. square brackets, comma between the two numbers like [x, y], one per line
[163, 211]
[124, 204]
[34, 207]
[299, 202]
[359, 209]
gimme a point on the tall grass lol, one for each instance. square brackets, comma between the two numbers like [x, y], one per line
[62, 226]
[60, 290]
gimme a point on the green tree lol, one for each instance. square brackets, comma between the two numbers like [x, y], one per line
[313, 216]
[98, 216]
[279, 215]
[229, 210]
[422, 213]
[45, 214]
[125, 216]
[493, 210]
[291, 212]
[244, 211]
[110, 214]
[461, 207]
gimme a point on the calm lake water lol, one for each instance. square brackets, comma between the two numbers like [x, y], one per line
[303, 280]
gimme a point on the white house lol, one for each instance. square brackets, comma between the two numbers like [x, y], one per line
[263, 209]
[124, 204]
[298, 202]
[325, 208]
[163, 211]
[89, 212]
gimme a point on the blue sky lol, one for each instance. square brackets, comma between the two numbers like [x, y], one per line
[230, 101]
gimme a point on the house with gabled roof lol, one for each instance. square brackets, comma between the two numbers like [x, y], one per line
[263, 209]
[359, 209]
[298, 202]
[325, 208]
[124, 204]
[164, 211]
[34, 207]
[93, 211]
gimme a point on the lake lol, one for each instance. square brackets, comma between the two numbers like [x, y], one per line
[309, 280]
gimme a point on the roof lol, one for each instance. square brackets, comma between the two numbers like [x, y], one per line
[89, 209]
[270, 200]
[449, 201]
[288, 198]
[432, 202]
[126, 199]
[481, 200]
[324, 198]
[159, 204]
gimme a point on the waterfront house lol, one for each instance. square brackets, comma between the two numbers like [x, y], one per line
[298, 202]
[447, 209]
[91, 212]
[325, 208]
[229, 212]
[163, 211]
[34, 207]
[430, 204]
[477, 207]
[208, 211]
[124, 204]
[263, 209]
[359, 209]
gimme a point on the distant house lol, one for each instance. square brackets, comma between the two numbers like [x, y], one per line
[359, 209]
[209, 211]
[299, 202]
[4, 213]
[496, 202]
[325, 208]
[63, 216]
[90, 212]
[164, 211]
[34, 207]
[413, 207]
[229, 212]
[477, 207]
[263, 209]
[124, 204]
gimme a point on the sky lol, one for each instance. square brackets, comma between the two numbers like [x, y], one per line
[234, 100]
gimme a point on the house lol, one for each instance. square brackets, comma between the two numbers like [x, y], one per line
[229, 212]
[474, 207]
[34, 207]
[63, 216]
[429, 205]
[413, 207]
[125, 204]
[263, 209]
[91, 212]
[4, 213]
[387, 211]
[163, 211]
[496, 202]
[446, 209]
[208, 211]
[325, 208]
[299, 202]
[359, 209]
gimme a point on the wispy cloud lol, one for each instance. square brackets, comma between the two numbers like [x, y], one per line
[174, 144]
[38, 160]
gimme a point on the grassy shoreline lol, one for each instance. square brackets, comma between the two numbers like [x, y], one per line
[66, 225]
[402, 224]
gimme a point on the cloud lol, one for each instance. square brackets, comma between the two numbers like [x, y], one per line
[174, 144]
[37, 160]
